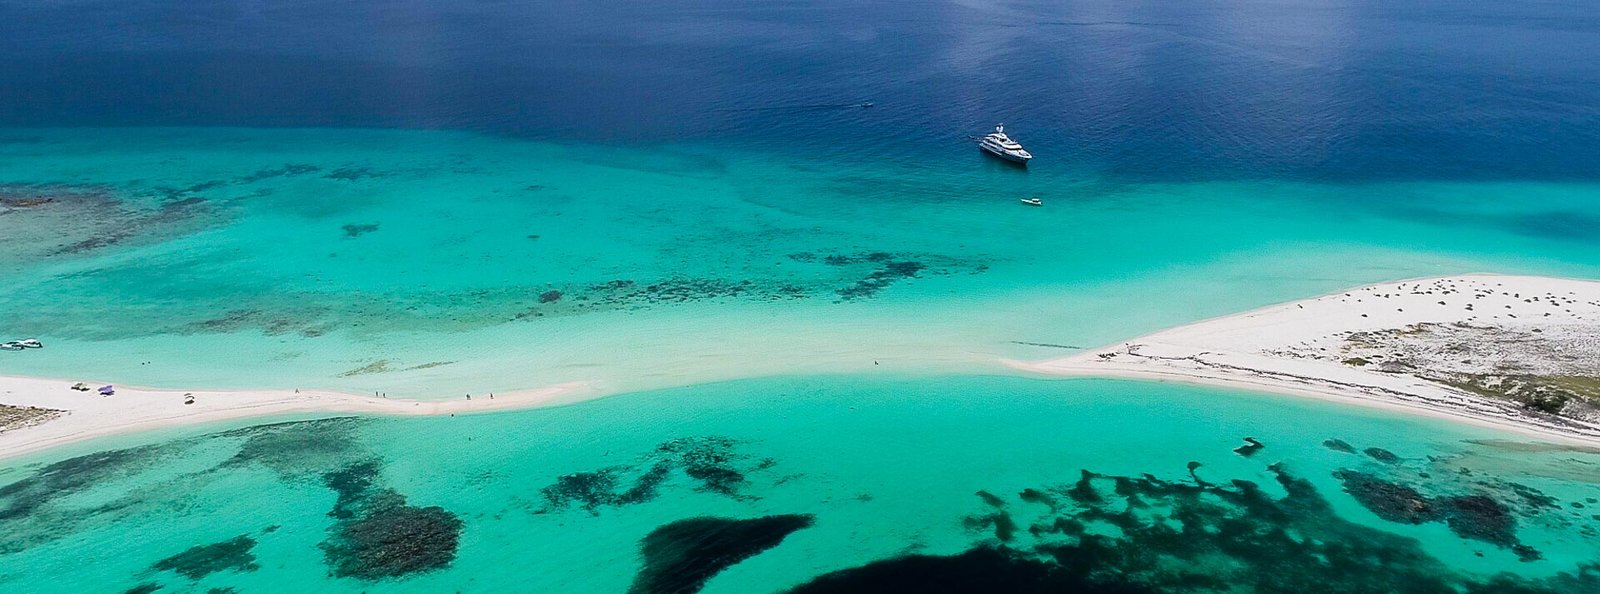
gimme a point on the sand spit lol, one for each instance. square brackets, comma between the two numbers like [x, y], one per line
[82, 415]
[1516, 352]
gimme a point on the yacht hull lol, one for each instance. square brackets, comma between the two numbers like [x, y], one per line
[1003, 155]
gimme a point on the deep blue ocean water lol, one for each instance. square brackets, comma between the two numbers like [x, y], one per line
[1357, 90]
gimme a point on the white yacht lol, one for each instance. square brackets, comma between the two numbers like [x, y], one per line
[1000, 145]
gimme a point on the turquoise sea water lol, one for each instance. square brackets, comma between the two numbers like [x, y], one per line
[884, 466]
[797, 298]
[458, 262]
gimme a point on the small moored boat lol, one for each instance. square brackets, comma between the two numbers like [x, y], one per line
[1033, 202]
[11, 346]
[1002, 146]
[32, 343]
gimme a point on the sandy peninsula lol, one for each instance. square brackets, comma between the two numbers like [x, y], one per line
[49, 413]
[1516, 352]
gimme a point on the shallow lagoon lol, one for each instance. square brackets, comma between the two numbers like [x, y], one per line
[425, 263]
[883, 466]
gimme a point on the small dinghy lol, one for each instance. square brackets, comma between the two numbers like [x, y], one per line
[11, 346]
[32, 343]
[1033, 202]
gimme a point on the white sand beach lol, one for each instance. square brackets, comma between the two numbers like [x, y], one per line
[1384, 345]
[88, 415]
[1388, 345]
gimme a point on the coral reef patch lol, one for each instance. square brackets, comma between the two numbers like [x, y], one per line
[1143, 534]
[42, 506]
[297, 449]
[713, 464]
[1476, 516]
[377, 535]
[70, 476]
[202, 560]
[56, 220]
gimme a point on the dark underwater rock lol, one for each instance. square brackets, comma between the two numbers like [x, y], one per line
[1250, 447]
[1391, 501]
[1476, 517]
[713, 462]
[1339, 445]
[1526, 553]
[203, 560]
[681, 556]
[888, 274]
[1083, 490]
[1005, 528]
[286, 170]
[354, 173]
[709, 460]
[589, 490]
[1382, 455]
[1037, 496]
[646, 486]
[1534, 497]
[357, 230]
[1479, 517]
[991, 499]
[353, 484]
